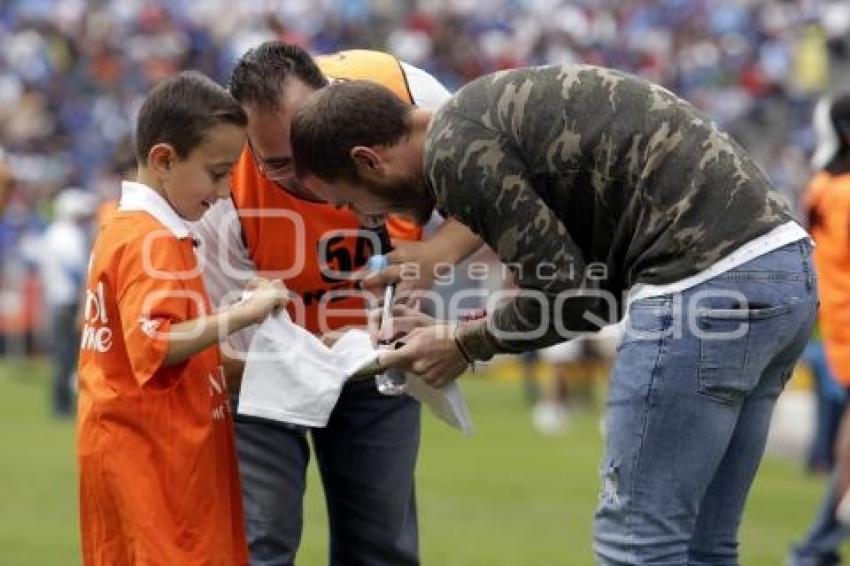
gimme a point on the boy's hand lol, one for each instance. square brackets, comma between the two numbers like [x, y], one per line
[262, 297]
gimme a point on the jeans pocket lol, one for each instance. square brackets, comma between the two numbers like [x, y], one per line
[648, 319]
[725, 371]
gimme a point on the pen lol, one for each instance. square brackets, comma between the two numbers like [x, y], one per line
[385, 329]
[389, 381]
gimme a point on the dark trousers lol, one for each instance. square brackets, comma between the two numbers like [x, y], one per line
[823, 541]
[366, 456]
[64, 349]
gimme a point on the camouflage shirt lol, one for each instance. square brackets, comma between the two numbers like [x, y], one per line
[584, 179]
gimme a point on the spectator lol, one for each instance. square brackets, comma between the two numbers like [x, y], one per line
[828, 202]
[63, 262]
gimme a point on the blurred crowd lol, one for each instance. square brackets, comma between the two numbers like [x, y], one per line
[73, 72]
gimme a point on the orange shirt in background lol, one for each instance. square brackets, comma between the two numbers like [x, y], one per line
[828, 202]
[158, 475]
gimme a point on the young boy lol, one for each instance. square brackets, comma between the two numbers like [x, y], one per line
[158, 476]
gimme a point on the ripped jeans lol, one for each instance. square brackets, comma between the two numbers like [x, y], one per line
[689, 405]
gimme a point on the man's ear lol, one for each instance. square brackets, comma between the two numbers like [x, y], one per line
[161, 157]
[366, 159]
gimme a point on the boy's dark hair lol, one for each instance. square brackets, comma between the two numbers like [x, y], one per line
[259, 74]
[180, 110]
[340, 117]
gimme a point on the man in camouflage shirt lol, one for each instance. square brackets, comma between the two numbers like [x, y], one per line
[604, 194]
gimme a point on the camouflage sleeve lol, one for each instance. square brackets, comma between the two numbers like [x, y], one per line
[480, 178]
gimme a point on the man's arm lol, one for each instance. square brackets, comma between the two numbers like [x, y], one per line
[187, 338]
[480, 177]
[451, 243]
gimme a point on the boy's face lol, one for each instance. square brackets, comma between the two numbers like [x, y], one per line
[193, 184]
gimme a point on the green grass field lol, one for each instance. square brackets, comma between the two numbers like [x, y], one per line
[506, 496]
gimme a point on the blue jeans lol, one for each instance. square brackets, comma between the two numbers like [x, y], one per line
[366, 455]
[689, 406]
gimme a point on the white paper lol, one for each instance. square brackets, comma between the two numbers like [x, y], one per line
[291, 376]
[446, 403]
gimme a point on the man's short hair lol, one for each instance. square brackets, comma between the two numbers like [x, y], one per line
[259, 74]
[180, 110]
[335, 119]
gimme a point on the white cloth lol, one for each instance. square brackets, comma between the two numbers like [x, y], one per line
[291, 377]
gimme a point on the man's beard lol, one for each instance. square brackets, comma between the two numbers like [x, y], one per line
[410, 199]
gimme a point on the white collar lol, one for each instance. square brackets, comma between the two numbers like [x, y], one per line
[140, 197]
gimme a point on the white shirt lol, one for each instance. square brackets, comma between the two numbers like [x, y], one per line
[773, 240]
[63, 260]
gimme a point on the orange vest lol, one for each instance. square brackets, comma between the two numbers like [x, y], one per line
[828, 201]
[158, 478]
[311, 245]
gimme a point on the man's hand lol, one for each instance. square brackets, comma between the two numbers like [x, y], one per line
[403, 320]
[413, 266]
[430, 352]
[411, 269]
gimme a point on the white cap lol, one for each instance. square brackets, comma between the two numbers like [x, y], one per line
[831, 124]
[74, 204]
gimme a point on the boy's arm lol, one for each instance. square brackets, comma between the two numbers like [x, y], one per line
[185, 339]
[226, 263]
